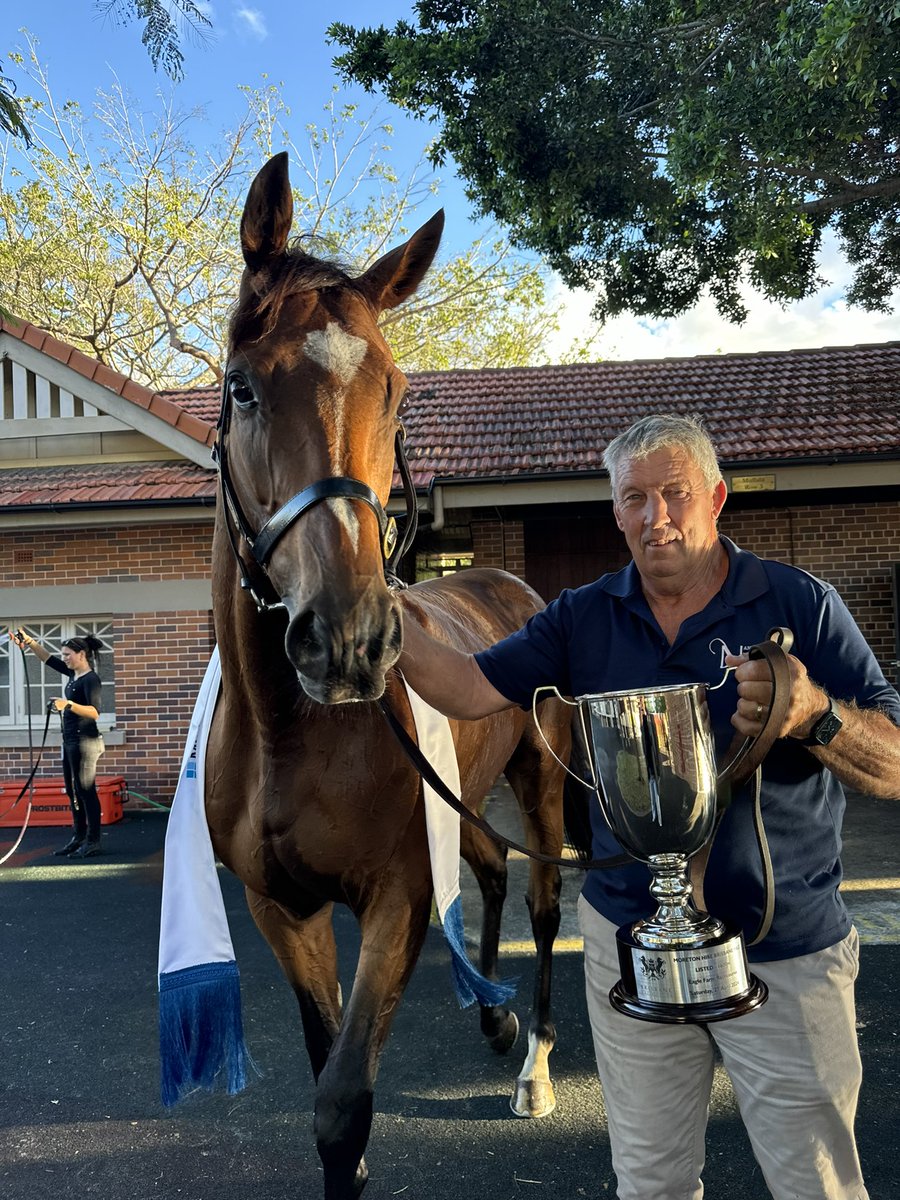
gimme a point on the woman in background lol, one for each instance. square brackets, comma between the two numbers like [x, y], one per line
[82, 743]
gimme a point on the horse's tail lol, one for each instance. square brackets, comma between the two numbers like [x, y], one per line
[577, 798]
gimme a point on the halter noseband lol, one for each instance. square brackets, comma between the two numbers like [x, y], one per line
[263, 543]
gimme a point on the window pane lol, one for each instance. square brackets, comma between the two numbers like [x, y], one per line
[26, 688]
[5, 685]
[42, 683]
[432, 566]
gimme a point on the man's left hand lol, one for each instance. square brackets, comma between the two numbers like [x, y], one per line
[807, 701]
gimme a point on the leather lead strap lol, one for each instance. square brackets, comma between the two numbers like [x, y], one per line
[743, 759]
[745, 755]
[768, 909]
[428, 773]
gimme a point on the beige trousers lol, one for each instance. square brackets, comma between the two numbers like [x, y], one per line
[794, 1064]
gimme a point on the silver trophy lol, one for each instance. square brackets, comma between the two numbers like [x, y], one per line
[652, 753]
[654, 773]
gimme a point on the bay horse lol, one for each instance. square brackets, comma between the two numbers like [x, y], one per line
[310, 801]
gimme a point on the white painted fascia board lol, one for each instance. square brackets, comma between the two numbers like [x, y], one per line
[822, 477]
[189, 514]
[103, 399]
[28, 427]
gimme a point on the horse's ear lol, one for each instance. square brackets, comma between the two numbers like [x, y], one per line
[268, 213]
[399, 273]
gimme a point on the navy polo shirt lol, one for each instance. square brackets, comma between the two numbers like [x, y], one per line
[603, 637]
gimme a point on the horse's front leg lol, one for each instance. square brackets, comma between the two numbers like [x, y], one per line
[306, 952]
[393, 925]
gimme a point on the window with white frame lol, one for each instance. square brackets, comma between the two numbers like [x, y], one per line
[27, 684]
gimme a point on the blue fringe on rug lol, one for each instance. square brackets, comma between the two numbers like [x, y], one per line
[470, 984]
[201, 1034]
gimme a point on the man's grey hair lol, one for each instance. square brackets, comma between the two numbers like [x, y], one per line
[664, 431]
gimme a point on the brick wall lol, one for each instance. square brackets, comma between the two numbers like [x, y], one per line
[160, 657]
[850, 546]
[499, 544]
[160, 660]
[146, 553]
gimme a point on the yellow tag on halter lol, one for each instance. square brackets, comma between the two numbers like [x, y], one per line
[389, 542]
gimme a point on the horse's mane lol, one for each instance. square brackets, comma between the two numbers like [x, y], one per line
[258, 307]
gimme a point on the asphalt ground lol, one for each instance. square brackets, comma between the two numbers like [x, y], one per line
[80, 1114]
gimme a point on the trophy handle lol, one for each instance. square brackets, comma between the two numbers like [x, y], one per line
[572, 704]
[744, 757]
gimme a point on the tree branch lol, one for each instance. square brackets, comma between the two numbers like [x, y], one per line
[883, 189]
[175, 340]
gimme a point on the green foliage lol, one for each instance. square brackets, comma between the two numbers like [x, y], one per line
[161, 27]
[11, 119]
[161, 38]
[655, 151]
[120, 237]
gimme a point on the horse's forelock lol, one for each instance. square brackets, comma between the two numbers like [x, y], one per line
[263, 296]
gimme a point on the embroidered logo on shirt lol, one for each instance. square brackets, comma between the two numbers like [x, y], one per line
[720, 646]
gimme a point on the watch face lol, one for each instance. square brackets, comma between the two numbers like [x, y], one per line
[827, 727]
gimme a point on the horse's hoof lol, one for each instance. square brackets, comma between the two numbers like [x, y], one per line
[361, 1178]
[342, 1189]
[533, 1098]
[505, 1039]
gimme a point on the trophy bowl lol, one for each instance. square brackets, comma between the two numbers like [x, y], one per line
[654, 766]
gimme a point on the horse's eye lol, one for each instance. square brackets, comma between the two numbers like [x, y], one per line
[241, 392]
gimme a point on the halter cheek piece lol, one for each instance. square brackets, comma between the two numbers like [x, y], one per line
[263, 543]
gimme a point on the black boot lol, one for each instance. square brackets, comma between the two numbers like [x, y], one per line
[70, 847]
[87, 849]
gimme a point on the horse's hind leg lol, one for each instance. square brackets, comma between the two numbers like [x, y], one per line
[487, 860]
[537, 781]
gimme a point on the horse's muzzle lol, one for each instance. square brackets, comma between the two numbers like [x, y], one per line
[345, 657]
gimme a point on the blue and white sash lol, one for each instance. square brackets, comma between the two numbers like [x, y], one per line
[201, 1034]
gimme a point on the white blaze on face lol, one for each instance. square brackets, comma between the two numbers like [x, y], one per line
[336, 351]
[339, 354]
[343, 510]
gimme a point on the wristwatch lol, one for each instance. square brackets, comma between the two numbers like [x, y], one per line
[826, 728]
[68, 706]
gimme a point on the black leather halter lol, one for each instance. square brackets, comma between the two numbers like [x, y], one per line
[263, 543]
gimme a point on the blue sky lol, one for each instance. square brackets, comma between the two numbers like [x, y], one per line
[286, 40]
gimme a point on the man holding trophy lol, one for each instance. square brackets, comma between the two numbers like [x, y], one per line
[642, 651]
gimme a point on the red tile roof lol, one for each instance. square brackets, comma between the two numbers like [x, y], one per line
[105, 484]
[176, 415]
[834, 404]
[837, 403]
[202, 403]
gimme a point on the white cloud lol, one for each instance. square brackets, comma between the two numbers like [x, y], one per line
[252, 21]
[823, 319]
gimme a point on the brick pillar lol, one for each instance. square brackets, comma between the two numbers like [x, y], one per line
[499, 544]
